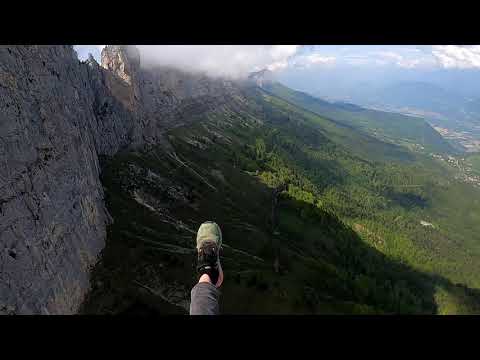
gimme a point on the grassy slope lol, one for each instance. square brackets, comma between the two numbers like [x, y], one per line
[347, 238]
[241, 206]
[389, 127]
[474, 161]
[449, 204]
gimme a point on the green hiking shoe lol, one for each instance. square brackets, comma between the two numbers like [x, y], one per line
[209, 231]
[209, 242]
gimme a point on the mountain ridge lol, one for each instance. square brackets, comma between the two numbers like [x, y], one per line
[312, 225]
[386, 126]
[108, 169]
[58, 116]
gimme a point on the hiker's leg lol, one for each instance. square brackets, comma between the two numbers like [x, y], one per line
[205, 294]
[205, 297]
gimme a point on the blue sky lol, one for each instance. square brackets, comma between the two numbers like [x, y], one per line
[84, 50]
[406, 56]
[338, 71]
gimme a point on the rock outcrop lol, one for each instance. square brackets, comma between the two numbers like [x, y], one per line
[261, 78]
[57, 115]
[123, 63]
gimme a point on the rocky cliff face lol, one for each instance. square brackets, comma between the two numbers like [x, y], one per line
[57, 115]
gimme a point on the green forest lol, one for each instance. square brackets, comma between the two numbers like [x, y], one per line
[319, 216]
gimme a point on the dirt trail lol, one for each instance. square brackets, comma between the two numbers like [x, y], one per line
[175, 157]
[242, 252]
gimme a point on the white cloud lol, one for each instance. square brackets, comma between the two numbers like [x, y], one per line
[357, 60]
[278, 65]
[390, 55]
[314, 59]
[319, 59]
[220, 60]
[409, 61]
[232, 61]
[413, 63]
[457, 56]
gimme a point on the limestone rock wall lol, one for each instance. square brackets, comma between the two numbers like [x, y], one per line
[57, 115]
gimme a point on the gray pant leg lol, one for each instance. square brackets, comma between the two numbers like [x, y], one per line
[204, 299]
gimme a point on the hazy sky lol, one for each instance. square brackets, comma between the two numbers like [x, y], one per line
[323, 66]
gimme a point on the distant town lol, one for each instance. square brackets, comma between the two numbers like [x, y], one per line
[465, 171]
[470, 142]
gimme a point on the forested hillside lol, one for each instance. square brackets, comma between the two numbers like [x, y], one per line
[411, 132]
[318, 217]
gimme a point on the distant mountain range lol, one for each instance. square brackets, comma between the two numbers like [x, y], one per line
[420, 95]
[441, 107]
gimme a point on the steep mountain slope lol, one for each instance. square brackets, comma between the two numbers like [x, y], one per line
[309, 225]
[57, 116]
[318, 217]
[415, 133]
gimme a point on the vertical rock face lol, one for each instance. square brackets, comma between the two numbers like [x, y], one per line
[56, 116]
[52, 217]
